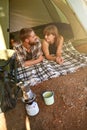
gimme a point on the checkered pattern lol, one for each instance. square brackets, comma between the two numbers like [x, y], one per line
[23, 55]
[36, 49]
[49, 69]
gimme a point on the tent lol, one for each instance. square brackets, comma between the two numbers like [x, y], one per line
[30, 13]
[63, 13]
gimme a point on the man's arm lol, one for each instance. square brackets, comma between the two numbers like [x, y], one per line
[33, 62]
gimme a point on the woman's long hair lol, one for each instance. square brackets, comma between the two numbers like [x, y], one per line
[52, 29]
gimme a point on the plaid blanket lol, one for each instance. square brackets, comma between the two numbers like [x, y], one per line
[50, 69]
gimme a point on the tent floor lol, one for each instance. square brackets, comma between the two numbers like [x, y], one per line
[81, 45]
[82, 48]
[69, 112]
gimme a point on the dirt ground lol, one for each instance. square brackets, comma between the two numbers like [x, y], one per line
[69, 111]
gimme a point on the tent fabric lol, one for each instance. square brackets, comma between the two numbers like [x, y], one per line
[49, 69]
[80, 12]
[73, 20]
[27, 13]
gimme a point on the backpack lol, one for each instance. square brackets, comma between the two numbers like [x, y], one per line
[9, 93]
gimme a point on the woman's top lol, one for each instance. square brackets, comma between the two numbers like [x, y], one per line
[52, 49]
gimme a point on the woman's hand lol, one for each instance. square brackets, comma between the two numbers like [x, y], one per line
[40, 58]
[59, 60]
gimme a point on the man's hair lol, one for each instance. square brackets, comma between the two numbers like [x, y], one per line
[25, 33]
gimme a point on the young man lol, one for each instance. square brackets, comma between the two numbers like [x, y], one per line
[29, 50]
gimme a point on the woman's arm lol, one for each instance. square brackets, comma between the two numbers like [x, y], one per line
[45, 48]
[59, 47]
[59, 58]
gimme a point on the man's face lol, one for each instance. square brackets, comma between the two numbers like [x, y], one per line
[32, 38]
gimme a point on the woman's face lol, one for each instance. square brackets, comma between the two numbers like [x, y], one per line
[50, 38]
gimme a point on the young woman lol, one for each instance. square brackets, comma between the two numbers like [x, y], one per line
[52, 44]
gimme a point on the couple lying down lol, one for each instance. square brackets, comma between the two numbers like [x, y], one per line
[30, 51]
[38, 61]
